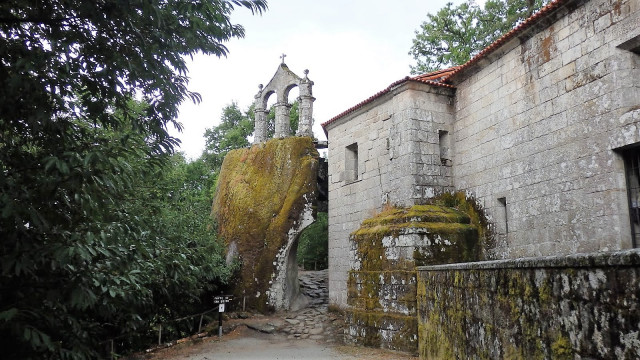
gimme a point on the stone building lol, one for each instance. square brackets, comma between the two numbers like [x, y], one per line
[542, 128]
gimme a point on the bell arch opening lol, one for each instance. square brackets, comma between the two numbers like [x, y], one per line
[286, 124]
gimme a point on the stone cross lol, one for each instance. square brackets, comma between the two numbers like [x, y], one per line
[282, 57]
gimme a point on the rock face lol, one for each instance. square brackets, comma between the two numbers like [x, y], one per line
[264, 199]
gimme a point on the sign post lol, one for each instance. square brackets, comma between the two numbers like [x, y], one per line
[221, 300]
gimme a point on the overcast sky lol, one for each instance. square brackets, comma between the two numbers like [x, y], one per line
[352, 48]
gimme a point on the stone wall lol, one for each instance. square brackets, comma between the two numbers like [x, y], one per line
[566, 307]
[382, 281]
[536, 128]
[398, 162]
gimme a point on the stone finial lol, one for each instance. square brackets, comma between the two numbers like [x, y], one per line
[306, 72]
[283, 56]
[260, 86]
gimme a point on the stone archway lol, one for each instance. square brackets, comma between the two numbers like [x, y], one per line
[284, 292]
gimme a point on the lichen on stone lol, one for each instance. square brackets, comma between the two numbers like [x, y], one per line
[385, 252]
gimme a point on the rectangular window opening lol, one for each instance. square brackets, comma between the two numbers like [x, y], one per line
[632, 45]
[632, 172]
[351, 162]
[505, 219]
[443, 142]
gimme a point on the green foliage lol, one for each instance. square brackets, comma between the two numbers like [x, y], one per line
[187, 263]
[313, 246]
[455, 34]
[232, 133]
[91, 248]
[103, 241]
[234, 130]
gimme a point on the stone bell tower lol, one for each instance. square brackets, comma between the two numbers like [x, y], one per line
[282, 82]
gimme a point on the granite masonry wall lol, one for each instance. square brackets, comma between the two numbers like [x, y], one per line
[398, 162]
[536, 131]
[537, 125]
[563, 307]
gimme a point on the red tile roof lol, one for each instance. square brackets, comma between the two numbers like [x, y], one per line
[438, 76]
[441, 77]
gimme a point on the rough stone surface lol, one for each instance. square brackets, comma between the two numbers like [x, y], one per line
[263, 201]
[568, 307]
[396, 140]
[382, 280]
[539, 124]
[532, 131]
[314, 321]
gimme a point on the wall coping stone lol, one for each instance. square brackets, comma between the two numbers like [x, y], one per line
[598, 259]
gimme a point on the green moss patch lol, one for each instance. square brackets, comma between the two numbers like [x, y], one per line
[470, 207]
[477, 314]
[384, 330]
[451, 237]
[382, 286]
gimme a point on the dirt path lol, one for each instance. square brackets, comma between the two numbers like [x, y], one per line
[309, 333]
[244, 343]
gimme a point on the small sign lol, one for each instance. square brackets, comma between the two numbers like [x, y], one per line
[221, 308]
[222, 299]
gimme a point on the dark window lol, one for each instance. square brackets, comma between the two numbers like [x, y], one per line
[505, 220]
[351, 162]
[632, 169]
[632, 45]
[443, 137]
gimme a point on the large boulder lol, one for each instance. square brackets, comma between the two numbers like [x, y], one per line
[264, 199]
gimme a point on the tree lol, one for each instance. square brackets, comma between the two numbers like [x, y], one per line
[232, 133]
[313, 247]
[455, 34]
[80, 259]
[234, 130]
[86, 58]
[185, 260]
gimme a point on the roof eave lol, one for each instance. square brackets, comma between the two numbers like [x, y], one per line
[378, 95]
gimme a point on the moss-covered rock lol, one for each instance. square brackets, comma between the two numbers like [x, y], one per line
[468, 205]
[402, 238]
[381, 289]
[262, 195]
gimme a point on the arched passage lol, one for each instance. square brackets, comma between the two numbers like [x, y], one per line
[313, 234]
[311, 246]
